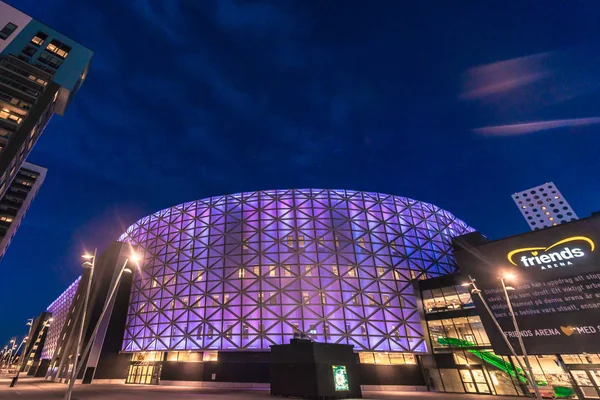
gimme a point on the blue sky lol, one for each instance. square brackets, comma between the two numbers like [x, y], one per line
[190, 99]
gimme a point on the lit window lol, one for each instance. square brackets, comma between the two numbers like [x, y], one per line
[290, 241]
[210, 356]
[308, 270]
[272, 271]
[363, 330]
[351, 271]
[301, 241]
[39, 39]
[337, 241]
[393, 244]
[256, 270]
[380, 271]
[334, 269]
[371, 299]
[58, 48]
[241, 273]
[305, 297]
[286, 272]
[321, 241]
[261, 297]
[386, 298]
[225, 298]
[361, 242]
[323, 297]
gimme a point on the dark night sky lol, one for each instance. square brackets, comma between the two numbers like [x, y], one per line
[190, 99]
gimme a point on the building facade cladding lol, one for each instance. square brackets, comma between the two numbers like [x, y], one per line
[544, 206]
[249, 270]
[40, 72]
[60, 310]
[17, 200]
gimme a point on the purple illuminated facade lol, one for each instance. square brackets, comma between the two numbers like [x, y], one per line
[246, 271]
[59, 310]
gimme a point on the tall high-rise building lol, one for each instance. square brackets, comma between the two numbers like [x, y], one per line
[16, 201]
[544, 206]
[40, 72]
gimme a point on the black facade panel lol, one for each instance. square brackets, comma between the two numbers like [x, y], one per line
[182, 371]
[112, 364]
[373, 374]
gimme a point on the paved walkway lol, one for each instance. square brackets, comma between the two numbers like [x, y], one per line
[37, 389]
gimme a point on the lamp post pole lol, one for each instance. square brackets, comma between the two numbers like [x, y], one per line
[91, 264]
[26, 356]
[514, 319]
[497, 324]
[88, 347]
[10, 352]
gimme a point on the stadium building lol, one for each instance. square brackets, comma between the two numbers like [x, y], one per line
[222, 279]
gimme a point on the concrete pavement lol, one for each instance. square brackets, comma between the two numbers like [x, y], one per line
[36, 389]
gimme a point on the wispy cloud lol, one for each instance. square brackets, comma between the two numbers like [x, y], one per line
[531, 127]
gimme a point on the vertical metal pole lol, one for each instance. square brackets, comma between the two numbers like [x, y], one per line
[15, 380]
[85, 353]
[510, 347]
[84, 314]
[514, 319]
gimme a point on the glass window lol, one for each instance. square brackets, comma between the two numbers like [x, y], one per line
[210, 356]
[7, 30]
[366, 358]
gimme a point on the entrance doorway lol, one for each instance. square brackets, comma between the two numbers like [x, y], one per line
[143, 374]
[588, 381]
[474, 381]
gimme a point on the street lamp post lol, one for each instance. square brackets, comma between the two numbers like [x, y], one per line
[112, 291]
[476, 290]
[10, 352]
[89, 263]
[26, 356]
[514, 319]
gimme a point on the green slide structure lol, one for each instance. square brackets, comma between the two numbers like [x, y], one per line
[492, 359]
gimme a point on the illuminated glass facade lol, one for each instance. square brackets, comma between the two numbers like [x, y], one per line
[60, 310]
[249, 270]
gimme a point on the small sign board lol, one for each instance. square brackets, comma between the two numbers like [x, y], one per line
[340, 378]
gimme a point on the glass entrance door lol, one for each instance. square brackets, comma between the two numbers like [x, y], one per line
[474, 381]
[588, 381]
[143, 374]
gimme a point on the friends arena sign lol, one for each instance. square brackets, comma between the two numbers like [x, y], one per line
[556, 296]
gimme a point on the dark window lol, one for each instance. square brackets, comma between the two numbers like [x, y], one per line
[569, 214]
[47, 59]
[7, 30]
[559, 215]
[29, 50]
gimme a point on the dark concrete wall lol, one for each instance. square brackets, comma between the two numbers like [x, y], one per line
[251, 367]
[374, 374]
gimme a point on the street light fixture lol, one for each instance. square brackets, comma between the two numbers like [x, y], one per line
[529, 375]
[26, 356]
[90, 264]
[514, 319]
[134, 257]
